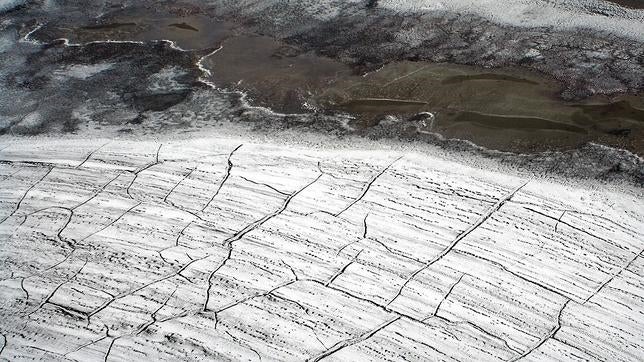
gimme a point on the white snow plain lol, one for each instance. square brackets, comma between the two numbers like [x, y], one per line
[225, 249]
[561, 14]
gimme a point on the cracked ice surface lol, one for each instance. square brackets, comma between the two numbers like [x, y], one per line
[230, 250]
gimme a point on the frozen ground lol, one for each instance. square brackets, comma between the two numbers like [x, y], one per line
[228, 250]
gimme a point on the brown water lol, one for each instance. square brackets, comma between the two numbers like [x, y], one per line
[273, 74]
[504, 109]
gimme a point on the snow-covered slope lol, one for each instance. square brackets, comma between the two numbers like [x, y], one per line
[229, 250]
[560, 14]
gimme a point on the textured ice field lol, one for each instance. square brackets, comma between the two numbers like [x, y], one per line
[229, 250]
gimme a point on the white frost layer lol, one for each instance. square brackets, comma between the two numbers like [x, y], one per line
[561, 14]
[229, 250]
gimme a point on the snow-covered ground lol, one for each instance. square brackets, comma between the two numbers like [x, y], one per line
[231, 250]
[560, 14]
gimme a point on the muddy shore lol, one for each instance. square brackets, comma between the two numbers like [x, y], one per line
[139, 68]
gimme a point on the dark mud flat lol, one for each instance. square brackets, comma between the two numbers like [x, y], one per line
[634, 4]
[188, 31]
[586, 61]
[73, 88]
[321, 70]
[510, 109]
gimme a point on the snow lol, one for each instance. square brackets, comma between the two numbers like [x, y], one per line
[223, 248]
[560, 14]
[31, 121]
[81, 71]
[166, 80]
